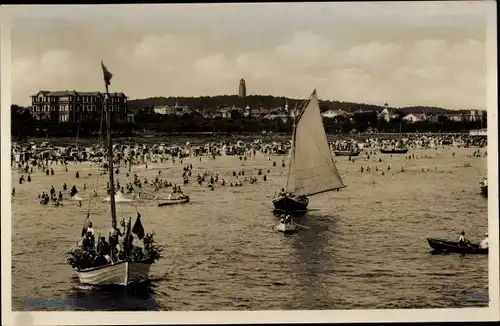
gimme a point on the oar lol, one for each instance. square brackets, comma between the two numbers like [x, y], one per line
[303, 226]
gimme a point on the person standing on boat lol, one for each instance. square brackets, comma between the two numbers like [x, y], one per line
[113, 235]
[89, 240]
[484, 243]
[86, 225]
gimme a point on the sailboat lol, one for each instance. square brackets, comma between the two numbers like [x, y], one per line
[311, 166]
[125, 271]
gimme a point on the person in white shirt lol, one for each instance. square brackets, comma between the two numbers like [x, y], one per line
[461, 240]
[90, 229]
[484, 243]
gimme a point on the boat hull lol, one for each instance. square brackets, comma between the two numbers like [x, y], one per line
[484, 190]
[122, 273]
[449, 246]
[286, 204]
[346, 153]
[168, 202]
[285, 228]
[393, 151]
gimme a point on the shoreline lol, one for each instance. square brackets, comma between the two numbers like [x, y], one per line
[169, 137]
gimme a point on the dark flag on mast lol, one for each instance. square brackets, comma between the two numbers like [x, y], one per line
[107, 75]
[138, 229]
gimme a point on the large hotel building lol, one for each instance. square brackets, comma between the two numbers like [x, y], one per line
[73, 106]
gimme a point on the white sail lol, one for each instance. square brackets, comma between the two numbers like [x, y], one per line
[312, 169]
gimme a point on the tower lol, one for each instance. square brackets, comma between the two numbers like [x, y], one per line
[243, 88]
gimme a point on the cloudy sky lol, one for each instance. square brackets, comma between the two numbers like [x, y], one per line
[401, 53]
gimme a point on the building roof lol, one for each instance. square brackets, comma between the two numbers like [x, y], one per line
[74, 92]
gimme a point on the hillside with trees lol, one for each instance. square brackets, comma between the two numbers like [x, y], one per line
[267, 101]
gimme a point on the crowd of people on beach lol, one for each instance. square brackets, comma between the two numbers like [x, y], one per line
[129, 157]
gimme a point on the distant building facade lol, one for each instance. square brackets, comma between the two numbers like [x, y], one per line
[171, 110]
[74, 106]
[415, 117]
[243, 88]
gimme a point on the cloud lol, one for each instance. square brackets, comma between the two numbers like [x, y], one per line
[369, 62]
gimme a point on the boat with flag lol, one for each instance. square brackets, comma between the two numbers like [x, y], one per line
[311, 168]
[113, 262]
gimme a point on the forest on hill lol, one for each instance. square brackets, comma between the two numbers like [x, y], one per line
[267, 101]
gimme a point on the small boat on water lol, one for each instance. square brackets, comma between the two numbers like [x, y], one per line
[286, 227]
[311, 168]
[173, 201]
[394, 150]
[452, 246]
[347, 153]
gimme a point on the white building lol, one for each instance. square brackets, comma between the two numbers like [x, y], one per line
[387, 113]
[177, 109]
[334, 113]
[414, 117]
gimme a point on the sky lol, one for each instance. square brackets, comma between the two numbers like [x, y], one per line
[405, 54]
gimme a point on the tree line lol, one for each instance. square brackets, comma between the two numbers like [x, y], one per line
[23, 125]
[267, 101]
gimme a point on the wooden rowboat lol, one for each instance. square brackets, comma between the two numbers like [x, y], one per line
[177, 201]
[121, 273]
[450, 246]
[286, 227]
[346, 153]
[394, 151]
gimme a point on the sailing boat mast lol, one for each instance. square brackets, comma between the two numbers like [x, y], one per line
[107, 78]
[292, 149]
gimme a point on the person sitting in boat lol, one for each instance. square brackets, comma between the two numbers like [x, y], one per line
[484, 243]
[282, 193]
[113, 235]
[88, 241]
[103, 248]
[462, 241]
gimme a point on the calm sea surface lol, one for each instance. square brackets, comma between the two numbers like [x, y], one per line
[364, 247]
